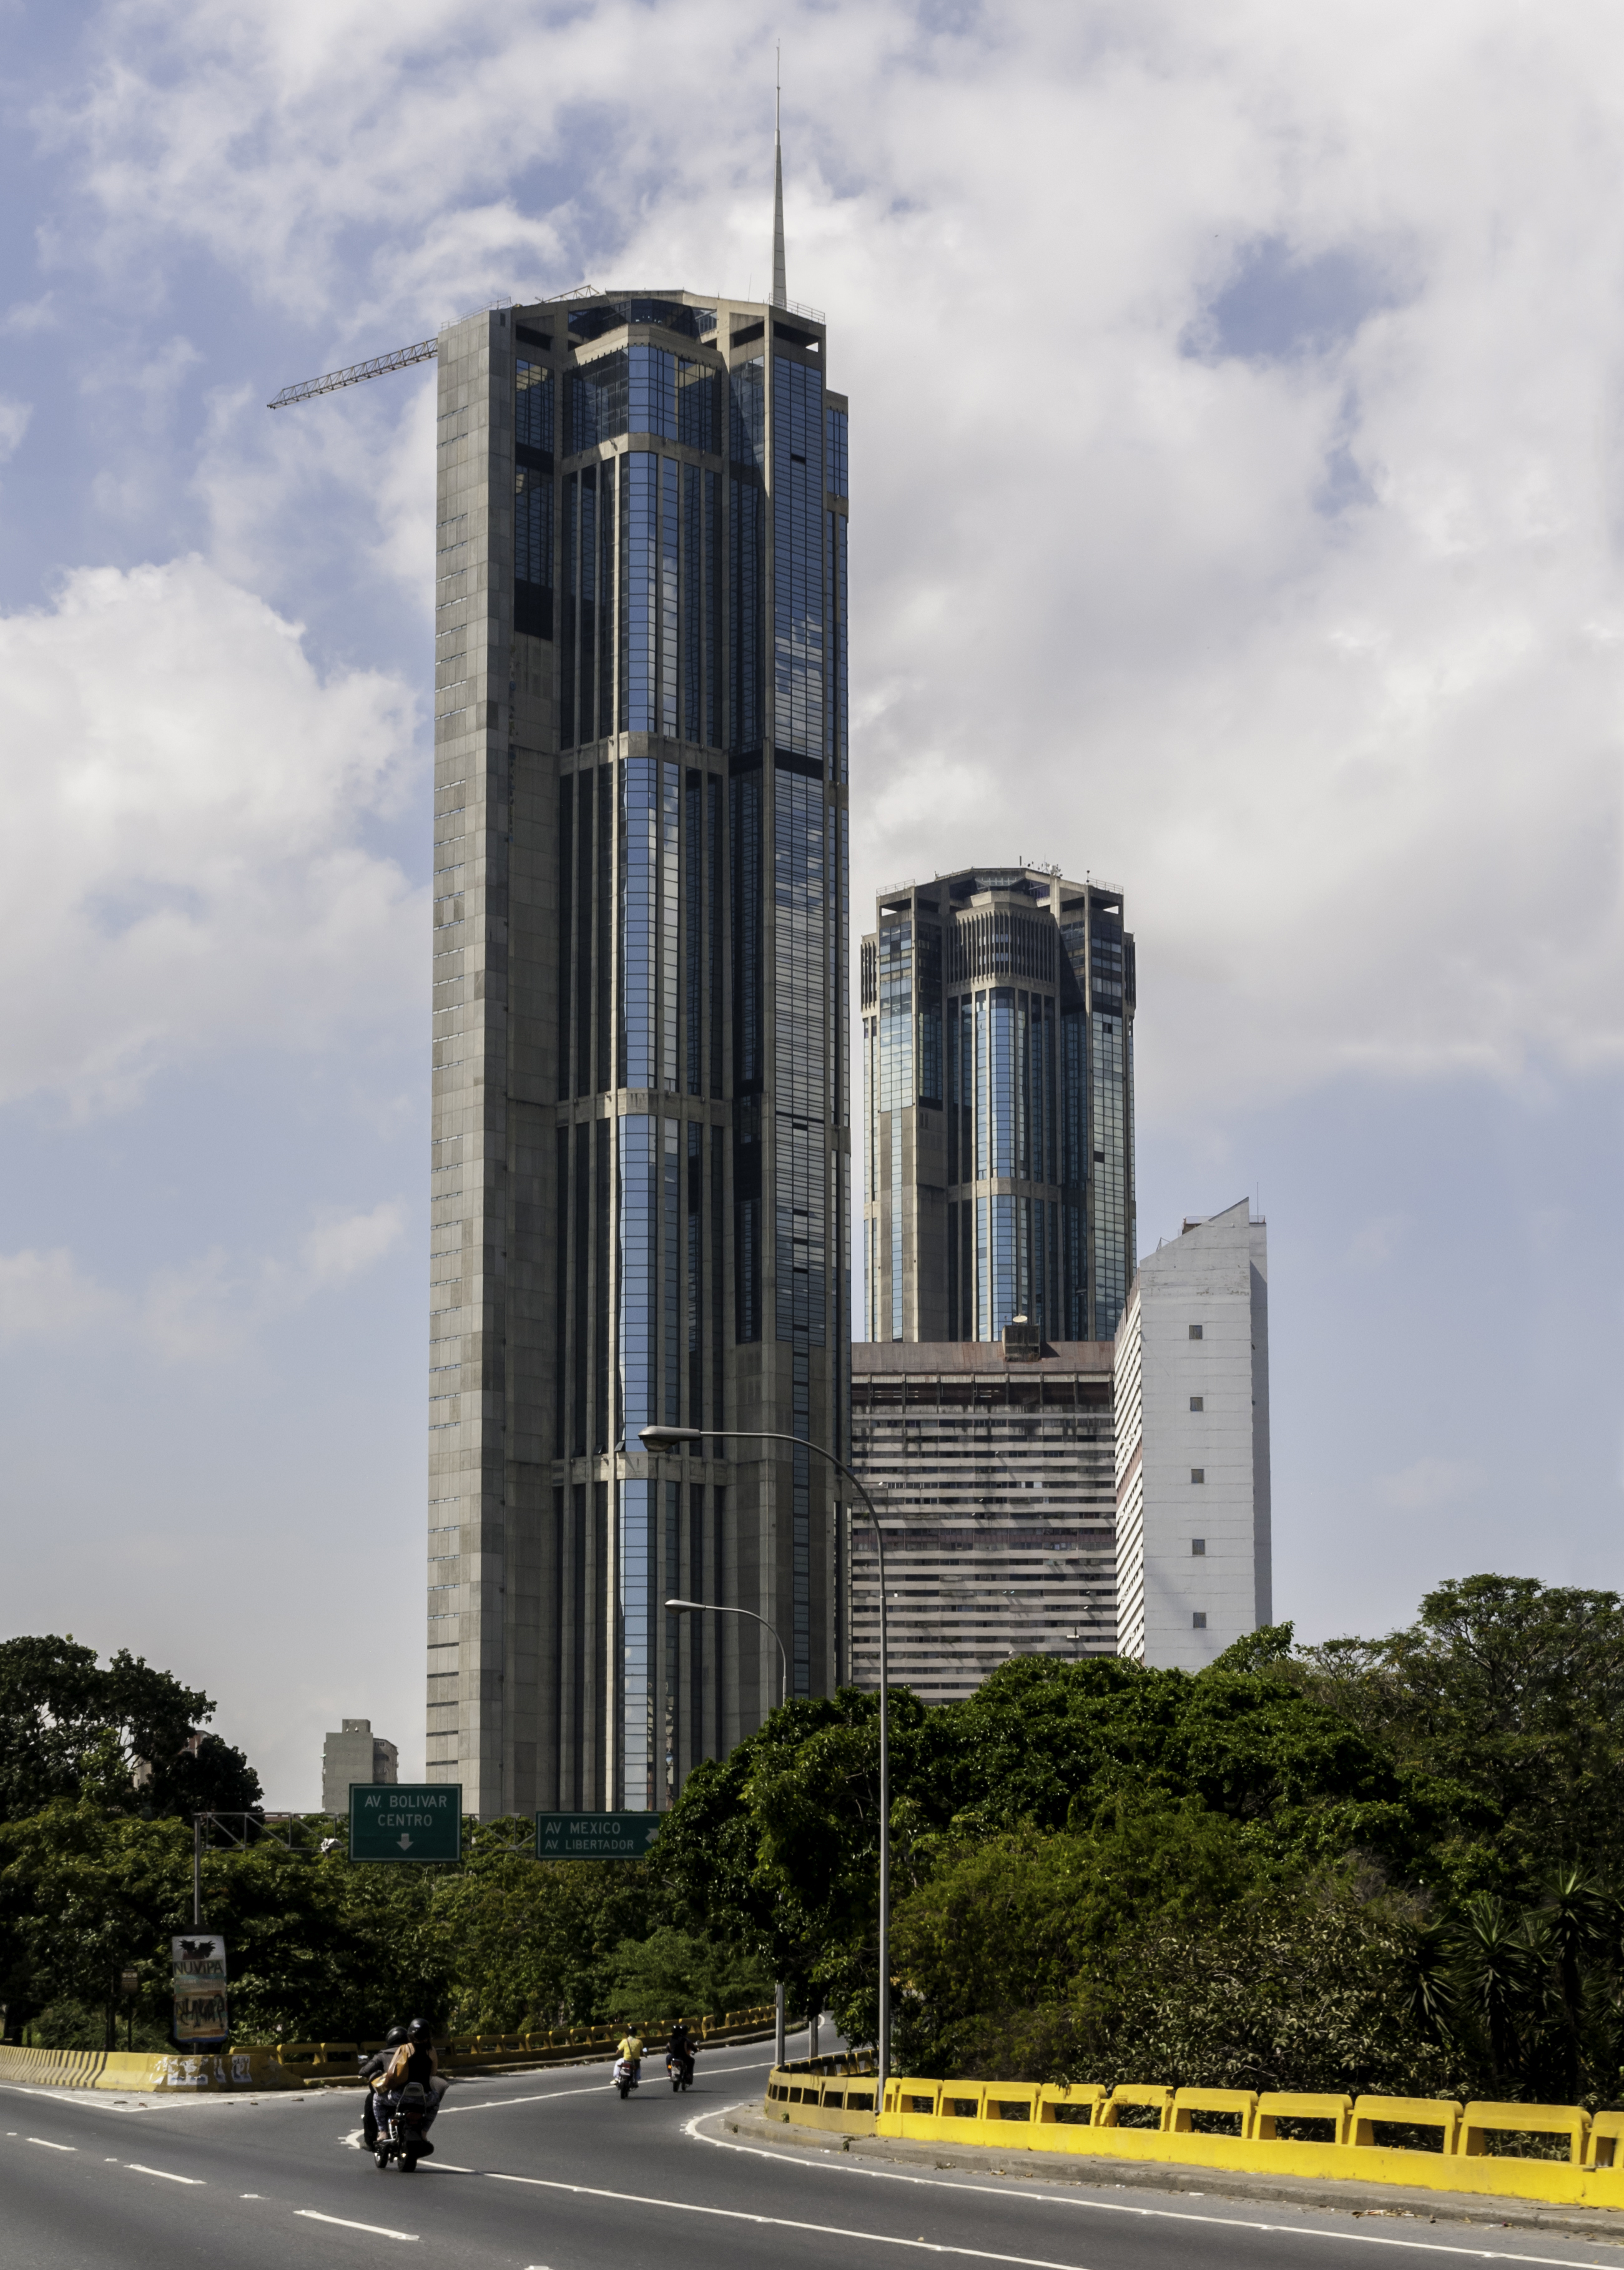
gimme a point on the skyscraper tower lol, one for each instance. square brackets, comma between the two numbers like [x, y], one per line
[997, 1049]
[641, 1195]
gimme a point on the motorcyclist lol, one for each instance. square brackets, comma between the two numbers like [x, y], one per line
[632, 2050]
[414, 2060]
[370, 2069]
[681, 2046]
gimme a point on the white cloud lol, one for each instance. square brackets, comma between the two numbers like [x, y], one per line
[14, 418]
[1298, 616]
[184, 864]
[207, 1310]
[44, 1296]
[26, 316]
[1430, 1483]
[343, 1246]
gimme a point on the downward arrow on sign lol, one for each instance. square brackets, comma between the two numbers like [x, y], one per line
[406, 1844]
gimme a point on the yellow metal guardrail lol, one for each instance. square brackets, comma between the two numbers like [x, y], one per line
[307, 2065]
[1365, 2138]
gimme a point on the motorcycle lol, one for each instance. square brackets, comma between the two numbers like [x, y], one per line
[404, 2116]
[681, 2071]
[625, 2076]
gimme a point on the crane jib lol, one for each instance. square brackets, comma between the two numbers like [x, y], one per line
[402, 358]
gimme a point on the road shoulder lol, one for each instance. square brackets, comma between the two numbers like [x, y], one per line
[746, 2124]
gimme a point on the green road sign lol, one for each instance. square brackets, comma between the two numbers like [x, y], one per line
[595, 1836]
[413, 1821]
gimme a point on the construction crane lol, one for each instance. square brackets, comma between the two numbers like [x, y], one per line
[402, 358]
[307, 389]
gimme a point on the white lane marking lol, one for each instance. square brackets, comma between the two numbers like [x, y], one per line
[1158, 2213]
[135, 2169]
[589, 2088]
[344, 2223]
[250, 2194]
[52, 2148]
[785, 2222]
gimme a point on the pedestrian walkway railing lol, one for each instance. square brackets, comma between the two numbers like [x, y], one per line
[1555, 2153]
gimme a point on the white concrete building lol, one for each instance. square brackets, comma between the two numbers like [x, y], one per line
[355, 1753]
[1192, 1445]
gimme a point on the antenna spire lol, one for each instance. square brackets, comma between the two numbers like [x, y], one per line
[780, 290]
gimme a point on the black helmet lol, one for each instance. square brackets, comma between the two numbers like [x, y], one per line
[393, 2039]
[417, 2030]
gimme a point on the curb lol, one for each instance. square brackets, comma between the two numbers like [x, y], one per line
[1367, 2200]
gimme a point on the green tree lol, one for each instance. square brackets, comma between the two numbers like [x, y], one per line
[1511, 1692]
[778, 1843]
[677, 1974]
[125, 1732]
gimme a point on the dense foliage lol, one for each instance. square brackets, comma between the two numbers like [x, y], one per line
[1387, 1864]
[1390, 1865]
[130, 1733]
[324, 1949]
[101, 1769]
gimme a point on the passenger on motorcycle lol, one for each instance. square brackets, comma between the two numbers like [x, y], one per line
[370, 2069]
[632, 2050]
[681, 2046]
[414, 2060]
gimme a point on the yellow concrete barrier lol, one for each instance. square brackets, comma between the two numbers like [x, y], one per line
[1240, 2104]
[1601, 2151]
[1373, 2112]
[139, 2072]
[1275, 2105]
[312, 2065]
[1084, 2120]
[1158, 2100]
[1478, 2121]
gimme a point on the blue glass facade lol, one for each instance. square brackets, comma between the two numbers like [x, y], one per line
[653, 1142]
[798, 572]
[1004, 1001]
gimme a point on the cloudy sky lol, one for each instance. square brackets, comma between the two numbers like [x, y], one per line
[1238, 490]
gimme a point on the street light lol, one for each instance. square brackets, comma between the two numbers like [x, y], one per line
[656, 1439]
[716, 1608]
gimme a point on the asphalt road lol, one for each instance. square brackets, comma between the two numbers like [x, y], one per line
[552, 2172]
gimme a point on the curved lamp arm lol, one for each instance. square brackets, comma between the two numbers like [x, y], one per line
[716, 1608]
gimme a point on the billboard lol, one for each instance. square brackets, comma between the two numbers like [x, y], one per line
[200, 2006]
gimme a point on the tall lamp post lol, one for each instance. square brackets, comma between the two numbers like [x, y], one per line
[656, 1439]
[716, 1608]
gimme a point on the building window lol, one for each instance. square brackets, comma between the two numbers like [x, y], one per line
[1198, 1403]
[1195, 1331]
[1197, 1621]
[1197, 1546]
[1197, 1473]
